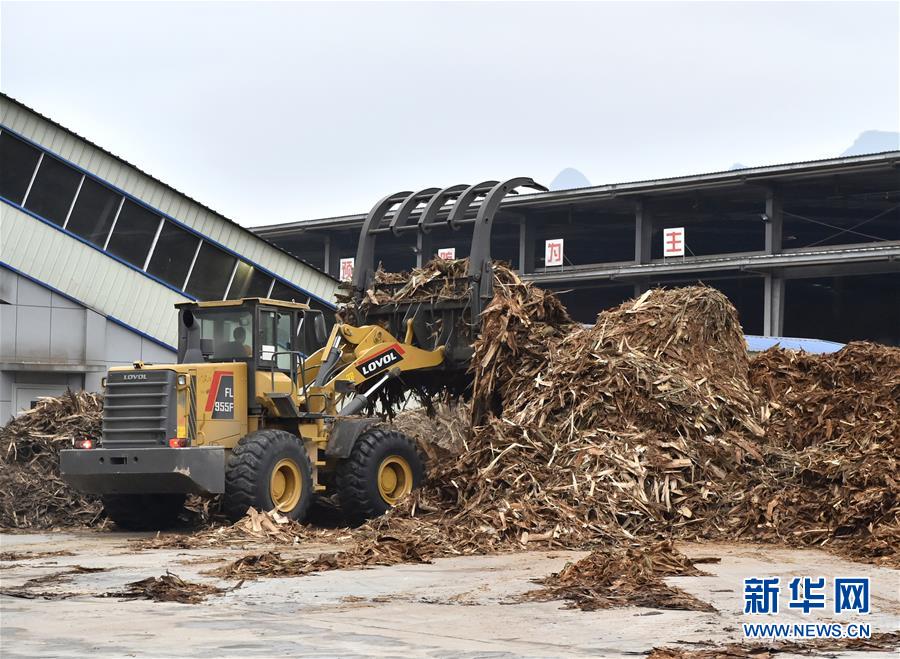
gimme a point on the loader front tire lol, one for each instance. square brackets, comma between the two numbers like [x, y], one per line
[382, 468]
[143, 512]
[268, 470]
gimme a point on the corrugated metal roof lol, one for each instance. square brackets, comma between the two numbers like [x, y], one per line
[88, 275]
[122, 174]
[648, 186]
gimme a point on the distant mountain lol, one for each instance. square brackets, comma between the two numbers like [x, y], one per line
[869, 141]
[569, 179]
[874, 141]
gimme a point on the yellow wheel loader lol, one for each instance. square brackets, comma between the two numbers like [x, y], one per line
[268, 408]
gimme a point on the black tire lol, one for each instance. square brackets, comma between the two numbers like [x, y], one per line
[143, 512]
[249, 473]
[357, 476]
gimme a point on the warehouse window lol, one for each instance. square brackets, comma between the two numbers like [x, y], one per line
[94, 211]
[287, 293]
[17, 163]
[173, 254]
[211, 273]
[53, 190]
[249, 282]
[133, 233]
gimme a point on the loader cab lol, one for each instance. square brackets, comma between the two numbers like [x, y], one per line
[260, 332]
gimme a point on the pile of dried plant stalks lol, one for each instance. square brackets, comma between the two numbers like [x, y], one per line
[169, 588]
[439, 280]
[832, 452]
[255, 528]
[878, 641]
[441, 434]
[650, 425]
[630, 575]
[32, 494]
[653, 424]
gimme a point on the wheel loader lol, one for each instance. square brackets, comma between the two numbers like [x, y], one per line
[269, 409]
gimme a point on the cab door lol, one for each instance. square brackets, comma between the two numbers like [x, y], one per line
[274, 342]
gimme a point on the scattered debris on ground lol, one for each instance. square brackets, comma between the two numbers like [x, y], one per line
[28, 590]
[169, 588]
[367, 549]
[255, 528]
[32, 494]
[878, 641]
[63, 576]
[31, 555]
[624, 576]
[29, 594]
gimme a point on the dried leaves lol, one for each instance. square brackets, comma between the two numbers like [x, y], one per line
[624, 576]
[404, 541]
[832, 451]
[255, 527]
[878, 641]
[169, 588]
[32, 494]
[626, 429]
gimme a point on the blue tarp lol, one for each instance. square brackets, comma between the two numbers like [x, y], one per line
[815, 346]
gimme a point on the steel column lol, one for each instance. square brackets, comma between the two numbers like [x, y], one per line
[527, 231]
[774, 222]
[424, 251]
[773, 299]
[327, 246]
[643, 232]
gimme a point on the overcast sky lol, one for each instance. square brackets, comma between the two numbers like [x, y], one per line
[287, 111]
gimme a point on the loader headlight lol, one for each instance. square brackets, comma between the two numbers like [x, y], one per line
[182, 380]
[103, 382]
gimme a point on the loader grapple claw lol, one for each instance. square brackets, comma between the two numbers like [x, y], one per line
[425, 211]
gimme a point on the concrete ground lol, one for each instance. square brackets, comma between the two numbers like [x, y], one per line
[455, 607]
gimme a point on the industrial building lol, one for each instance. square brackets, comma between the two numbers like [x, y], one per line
[94, 253]
[807, 249]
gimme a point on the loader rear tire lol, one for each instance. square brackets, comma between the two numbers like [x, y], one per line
[383, 467]
[268, 469]
[143, 512]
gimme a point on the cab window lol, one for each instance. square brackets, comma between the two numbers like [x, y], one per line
[274, 337]
[225, 335]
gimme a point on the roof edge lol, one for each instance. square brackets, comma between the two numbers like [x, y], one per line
[737, 175]
[19, 103]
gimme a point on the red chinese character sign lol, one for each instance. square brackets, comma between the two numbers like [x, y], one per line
[673, 242]
[347, 269]
[553, 252]
[447, 253]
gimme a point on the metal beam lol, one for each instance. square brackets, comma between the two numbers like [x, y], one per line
[742, 262]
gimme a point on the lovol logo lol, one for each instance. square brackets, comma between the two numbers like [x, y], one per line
[221, 395]
[134, 376]
[377, 363]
